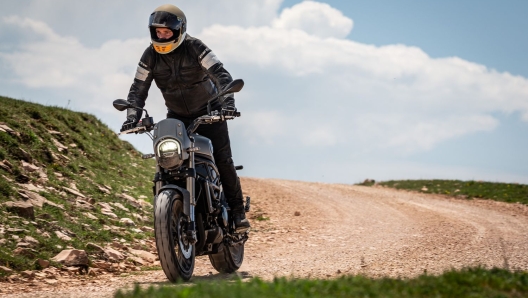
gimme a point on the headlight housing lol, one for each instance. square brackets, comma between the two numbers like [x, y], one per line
[169, 153]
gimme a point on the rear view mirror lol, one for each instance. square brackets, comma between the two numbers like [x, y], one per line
[121, 104]
[234, 86]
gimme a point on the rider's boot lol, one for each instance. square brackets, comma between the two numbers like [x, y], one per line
[239, 217]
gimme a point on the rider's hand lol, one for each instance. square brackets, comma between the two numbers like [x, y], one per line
[228, 107]
[228, 111]
[130, 123]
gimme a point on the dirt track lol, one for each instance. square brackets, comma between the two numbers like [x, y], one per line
[344, 229]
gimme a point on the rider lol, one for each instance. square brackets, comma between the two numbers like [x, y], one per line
[188, 74]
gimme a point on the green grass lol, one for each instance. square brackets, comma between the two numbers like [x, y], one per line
[476, 282]
[95, 156]
[504, 192]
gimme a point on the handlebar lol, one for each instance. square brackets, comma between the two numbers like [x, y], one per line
[137, 129]
[205, 119]
[209, 119]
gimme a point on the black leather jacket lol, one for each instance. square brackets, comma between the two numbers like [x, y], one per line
[187, 77]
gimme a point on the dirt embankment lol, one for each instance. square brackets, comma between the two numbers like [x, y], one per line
[320, 230]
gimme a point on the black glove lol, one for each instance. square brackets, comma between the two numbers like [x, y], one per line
[228, 107]
[130, 123]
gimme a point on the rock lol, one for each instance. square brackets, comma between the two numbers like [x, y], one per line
[105, 206]
[146, 229]
[90, 216]
[32, 198]
[29, 167]
[108, 213]
[5, 269]
[8, 130]
[3, 242]
[84, 205]
[43, 263]
[120, 206]
[145, 255]
[31, 240]
[37, 200]
[136, 230]
[27, 252]
[27, 274]
[424, 189]
[137, 217]
[101, 264]
[297, 213]
[93, 271]
[5, 167]
[23, 244]
[73, 192]
[103, 190]
[138, 261]
[113, 255]
[73, 186]
[23, 209]
[62, 236]
[43, 177]
[24, 155]
[95, 247]
[51, 281]
[127, 221]
[72, 257]
[131, 200]
[59, 146]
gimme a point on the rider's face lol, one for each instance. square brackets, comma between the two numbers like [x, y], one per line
[164, 33]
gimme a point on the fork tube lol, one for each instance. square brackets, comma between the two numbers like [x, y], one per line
[191, 183]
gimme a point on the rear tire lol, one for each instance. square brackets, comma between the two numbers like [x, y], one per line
[175, 253]
[229, 259]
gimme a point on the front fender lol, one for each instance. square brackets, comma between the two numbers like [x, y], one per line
[185, 195]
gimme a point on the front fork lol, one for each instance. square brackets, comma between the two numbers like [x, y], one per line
[191, 183]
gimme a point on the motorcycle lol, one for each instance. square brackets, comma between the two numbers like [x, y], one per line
[191, 215]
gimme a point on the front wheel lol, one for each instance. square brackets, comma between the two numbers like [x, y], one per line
[176, 253]
[229, 259]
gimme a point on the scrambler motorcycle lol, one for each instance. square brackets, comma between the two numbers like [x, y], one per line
[191, 215]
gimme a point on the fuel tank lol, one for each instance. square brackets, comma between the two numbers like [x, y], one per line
[205, 145]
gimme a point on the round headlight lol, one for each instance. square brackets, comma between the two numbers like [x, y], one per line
[168, 148]
[169, 154]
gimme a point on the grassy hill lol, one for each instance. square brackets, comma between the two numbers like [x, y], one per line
[504, 192]
[78, 170]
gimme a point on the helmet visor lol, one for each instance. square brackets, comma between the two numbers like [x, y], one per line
[165, 19]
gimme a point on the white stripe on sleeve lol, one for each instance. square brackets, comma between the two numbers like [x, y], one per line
[209, 60]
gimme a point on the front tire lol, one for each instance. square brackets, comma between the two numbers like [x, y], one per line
[175, 253]
[229, 259]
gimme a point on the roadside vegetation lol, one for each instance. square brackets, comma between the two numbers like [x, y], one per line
[504, 192]
[475, 282]
[51, 150]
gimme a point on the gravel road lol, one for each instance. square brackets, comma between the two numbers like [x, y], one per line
[318, 230]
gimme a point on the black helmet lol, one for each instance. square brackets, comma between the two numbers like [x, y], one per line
[171, 17]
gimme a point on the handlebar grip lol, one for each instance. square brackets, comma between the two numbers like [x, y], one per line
[237, 114]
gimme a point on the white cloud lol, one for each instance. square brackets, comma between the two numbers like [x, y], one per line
[315, 18]
[390, 96]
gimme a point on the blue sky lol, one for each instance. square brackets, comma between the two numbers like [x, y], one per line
[336, 91]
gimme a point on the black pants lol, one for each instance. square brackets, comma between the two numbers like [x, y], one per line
[219, 136]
